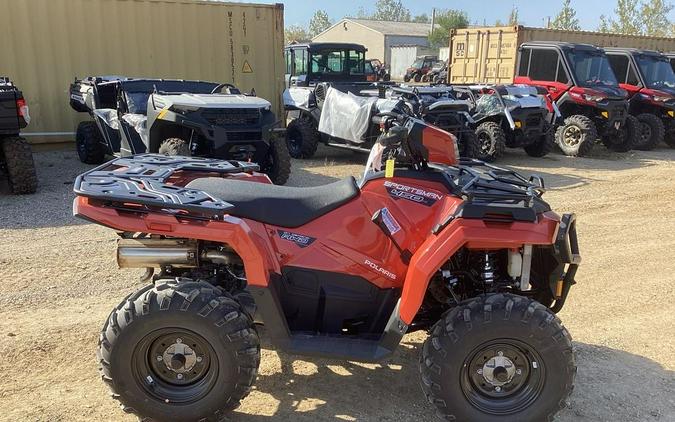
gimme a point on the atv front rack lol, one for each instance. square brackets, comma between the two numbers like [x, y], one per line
[493, 193]
[142, 179]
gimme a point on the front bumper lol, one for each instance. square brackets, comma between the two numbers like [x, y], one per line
[566, 251]
[611, 115]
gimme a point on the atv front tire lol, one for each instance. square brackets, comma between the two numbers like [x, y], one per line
[498, 357]
[576, 136]
[492, 141]
[18, 159]
[417, 77]
[543, 145]
[179, 351]
[651, 132]
[302, 138]
[278, 165]
[89, 143]
[175, 147]
[625, 139]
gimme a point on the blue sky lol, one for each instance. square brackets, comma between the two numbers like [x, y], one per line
[531, 12]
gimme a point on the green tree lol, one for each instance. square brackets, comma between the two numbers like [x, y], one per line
[423, 18]
[296, 33]
[447, 20]
[513, 16]
[628, 19]
[391, 10]
[567, 18]
[654, 14]
[318, 23]
[603, 26]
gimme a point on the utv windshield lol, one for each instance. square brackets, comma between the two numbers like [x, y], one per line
[591, 68]
[657, 71]
[328, 62]
[418, 64]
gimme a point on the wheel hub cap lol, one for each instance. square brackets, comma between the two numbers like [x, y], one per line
[499, 370]
[572, 136]
[179, 357]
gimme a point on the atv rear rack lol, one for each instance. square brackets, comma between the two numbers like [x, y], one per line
[142, 179]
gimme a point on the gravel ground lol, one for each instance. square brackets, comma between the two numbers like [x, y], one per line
[61, 282]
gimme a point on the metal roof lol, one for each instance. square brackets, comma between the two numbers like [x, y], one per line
[410, 29]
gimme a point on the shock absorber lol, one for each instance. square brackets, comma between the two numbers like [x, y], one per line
[486, 264]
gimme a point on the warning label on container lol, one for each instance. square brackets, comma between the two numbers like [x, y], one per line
[247, 67]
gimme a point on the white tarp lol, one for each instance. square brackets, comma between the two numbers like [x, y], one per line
[109, 117]
[296, 97]
[347, 116]
[139, 123]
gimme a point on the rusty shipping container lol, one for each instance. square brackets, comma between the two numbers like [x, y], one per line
[44, 44]
[489, 54]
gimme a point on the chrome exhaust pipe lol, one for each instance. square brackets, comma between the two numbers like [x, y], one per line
[155, 253]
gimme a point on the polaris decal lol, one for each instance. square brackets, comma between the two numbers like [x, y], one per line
[380, 270]
[390, 222]
[299, 239]
[409, 193]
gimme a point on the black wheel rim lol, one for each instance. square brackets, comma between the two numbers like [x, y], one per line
[502, 377]
[294, 142]
[645, 133]
[485, 141]
[175, 365]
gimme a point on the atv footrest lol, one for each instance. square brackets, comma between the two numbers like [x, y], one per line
[142, 180]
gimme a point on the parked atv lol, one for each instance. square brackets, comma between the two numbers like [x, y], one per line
[16, 158]
[176, 117]
[650, 82]
[513, 116]
[440, 107]
[439, 73]
[467, 251]
[376, 71]
[419, 68]
[580, 80]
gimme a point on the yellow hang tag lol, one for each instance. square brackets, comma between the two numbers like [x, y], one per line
[389, 168]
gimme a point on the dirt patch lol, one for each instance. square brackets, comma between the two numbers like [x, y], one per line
[61, 282]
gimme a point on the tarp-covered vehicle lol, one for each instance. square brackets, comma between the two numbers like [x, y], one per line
[177, 117]
[514, 116]
[16, 158]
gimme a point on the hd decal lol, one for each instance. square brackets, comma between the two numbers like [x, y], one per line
[409, 193]
[299, 239]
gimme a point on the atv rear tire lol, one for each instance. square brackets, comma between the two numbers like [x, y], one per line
[302, 138]
[278, 165]
[492, 141]
[425, 78]
[544, 145]
[18, 159]
[175, 147]
[468, 145]
[179, 351]
[651, 132]
[623, 140]
[406, 78]
[498, 357]
[417, 77]
[576, 136]
[89, 143]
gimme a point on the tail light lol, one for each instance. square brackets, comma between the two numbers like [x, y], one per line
[22, 108]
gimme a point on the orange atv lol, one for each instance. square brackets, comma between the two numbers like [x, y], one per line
[469, 252]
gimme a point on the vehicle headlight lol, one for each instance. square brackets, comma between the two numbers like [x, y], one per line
[593, 97]
[183, 109]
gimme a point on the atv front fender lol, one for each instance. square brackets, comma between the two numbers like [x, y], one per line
[474, 234]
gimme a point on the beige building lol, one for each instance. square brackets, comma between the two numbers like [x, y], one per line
[377, 36]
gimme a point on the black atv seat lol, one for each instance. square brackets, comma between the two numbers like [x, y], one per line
[282, 206]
